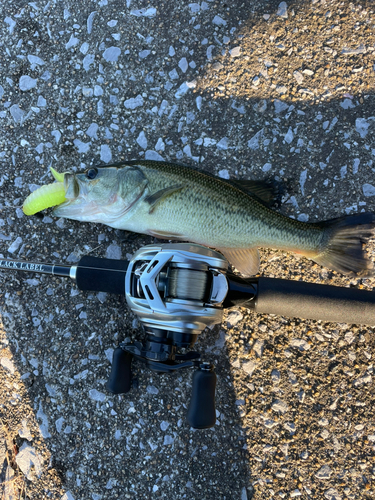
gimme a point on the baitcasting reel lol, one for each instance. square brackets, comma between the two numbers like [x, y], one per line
[177, 290]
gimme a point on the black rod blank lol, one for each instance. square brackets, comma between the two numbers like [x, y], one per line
[35, 267]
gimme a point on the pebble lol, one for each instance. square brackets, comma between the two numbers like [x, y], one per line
[258, 347]
[43, 426]
[151, 389]
[368, 190]
[134, 102]
[168, 439]
[234, 317]
[235, 52]
[67, 496]
[249, 367]
[332, 494]
[217, 66]
[361, 49]
[144, 53]
[90, 20]
[105, 153]
[35, 60]
[324, 472]
[164, 425]
[59, 423]
[362, 126]
[30, 463]
[236, 363]
[275, 376]
[17, 113]
[11, 24]
[113, 252]
[183, 64]
[269, 423]
[280, 106]
[27, 83]
[295, 494]
[222, 144]
[24, 431]
[347, 104]
[72, 42]
[183, 88]
[279, 406]
[153, 155]
[88, 60]
[298, 76]
[15, 245]
[142, 140]
[8, 365]
[219, 21]
[145, 12]
[282, 10]
[97, 395]
[301, 344]
[109, 354]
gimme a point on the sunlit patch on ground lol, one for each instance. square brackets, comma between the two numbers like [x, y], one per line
[309, 54]
[27, 468]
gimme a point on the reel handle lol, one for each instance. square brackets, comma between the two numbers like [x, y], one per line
[202, 413]
[119, 381]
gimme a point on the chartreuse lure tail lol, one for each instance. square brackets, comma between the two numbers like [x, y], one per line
[46, 196]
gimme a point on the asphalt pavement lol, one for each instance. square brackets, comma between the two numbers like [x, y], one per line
[243, 90]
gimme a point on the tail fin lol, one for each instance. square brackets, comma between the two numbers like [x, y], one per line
[342, 246]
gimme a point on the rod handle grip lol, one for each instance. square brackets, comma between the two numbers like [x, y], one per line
[101, 275]
[298, 299]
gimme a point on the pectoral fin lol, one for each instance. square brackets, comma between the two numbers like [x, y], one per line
[245, 260]
[155, 198]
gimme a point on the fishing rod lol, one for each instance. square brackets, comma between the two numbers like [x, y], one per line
[177, 290]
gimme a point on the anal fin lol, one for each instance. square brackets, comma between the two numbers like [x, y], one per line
[166, 235]
[245, 260]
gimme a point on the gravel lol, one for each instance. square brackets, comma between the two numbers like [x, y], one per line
[243, 90]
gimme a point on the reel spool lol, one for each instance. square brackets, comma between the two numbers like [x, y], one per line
[177, 288]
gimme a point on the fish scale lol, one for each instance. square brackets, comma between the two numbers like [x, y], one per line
[176, 202]
[233, 213]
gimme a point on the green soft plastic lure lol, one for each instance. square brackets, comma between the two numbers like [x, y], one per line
[46, 196]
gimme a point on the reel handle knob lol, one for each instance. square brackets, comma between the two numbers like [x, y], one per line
[119, 381]
[202, 413]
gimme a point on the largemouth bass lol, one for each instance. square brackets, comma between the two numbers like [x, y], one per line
[175, 202]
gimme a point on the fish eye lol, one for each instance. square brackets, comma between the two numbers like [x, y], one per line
[92, 173]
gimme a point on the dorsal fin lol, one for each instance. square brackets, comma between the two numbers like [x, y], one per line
[266, 192]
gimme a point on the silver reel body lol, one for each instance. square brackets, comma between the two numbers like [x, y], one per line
[177, 287]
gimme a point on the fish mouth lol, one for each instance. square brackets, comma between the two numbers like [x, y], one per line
[76, 205]
[71, 186]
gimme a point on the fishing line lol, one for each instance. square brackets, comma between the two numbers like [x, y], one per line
[187, 284]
